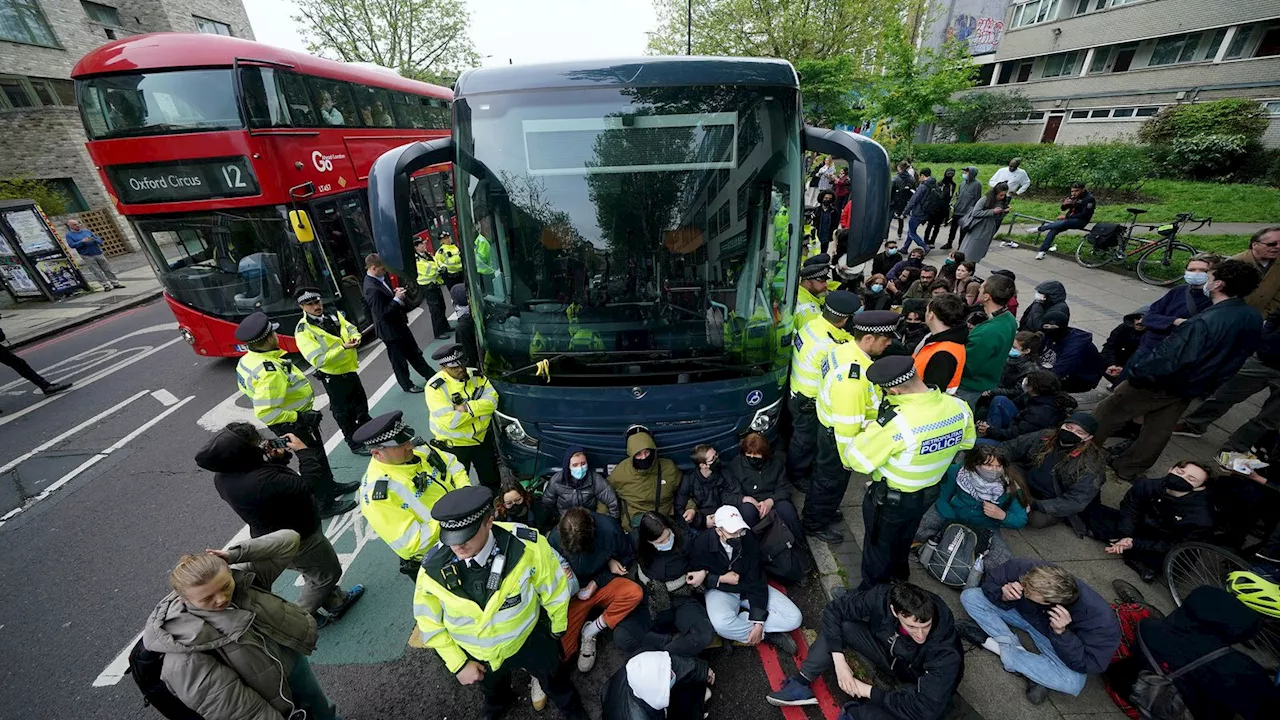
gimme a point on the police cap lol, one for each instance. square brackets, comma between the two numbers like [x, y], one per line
[386, 430]
[307, 295]
[255, 328]
[876, 322]
[892, 371]
[450, 356]
[817, 267]
[461, 512]
[842, 303]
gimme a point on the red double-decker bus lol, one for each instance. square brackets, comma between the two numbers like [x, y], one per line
[243, 170]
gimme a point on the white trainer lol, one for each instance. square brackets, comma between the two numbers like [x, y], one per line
[586, 651]
[536, 696]
[1039, 256]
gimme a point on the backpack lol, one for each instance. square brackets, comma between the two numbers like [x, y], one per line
[145, 667]
[1154, 693]
[954, 558]
[1104, 235]
[933, 202]
[784, 558]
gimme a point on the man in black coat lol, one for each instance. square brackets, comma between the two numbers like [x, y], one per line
[253, 477]
[907, 632]
[391, 316]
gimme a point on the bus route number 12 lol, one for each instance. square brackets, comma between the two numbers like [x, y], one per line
[234, 176]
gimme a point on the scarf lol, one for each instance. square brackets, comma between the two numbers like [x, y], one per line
[979, 487]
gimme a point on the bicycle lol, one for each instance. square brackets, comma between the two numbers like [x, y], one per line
[1195, 564]
[1157, 262]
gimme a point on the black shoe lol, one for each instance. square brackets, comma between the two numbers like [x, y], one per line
[1127, 593]
[948, 246]
[340, 489]
[337, 507]
[1146, 572]
[413, 389]
[972, 631]
[55, 388]
[839, 516]
[839, 592]
[782, 641]
[829, 535]
[1036, 693]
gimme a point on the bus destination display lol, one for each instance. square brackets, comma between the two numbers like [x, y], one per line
[191, 180]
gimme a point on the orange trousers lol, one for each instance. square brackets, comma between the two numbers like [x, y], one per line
[618, 599]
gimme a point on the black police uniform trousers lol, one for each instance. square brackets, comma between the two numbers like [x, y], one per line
[403, 352]
[827, 485]
[347, 401]
[804, 431]
[540, 656]
[891, 519]
[483, 457]
[433, 298]
[323, 488]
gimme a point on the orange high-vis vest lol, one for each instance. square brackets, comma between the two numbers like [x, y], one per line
[924, 354]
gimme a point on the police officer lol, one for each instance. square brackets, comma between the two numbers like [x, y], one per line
[485, 597]
[461, 402]
[450, 260]
[906, 451]
[282, 399]
[431, 283]
[814, 274]
[404, 481]
[845, 400]
[328, 341]
[811, 345]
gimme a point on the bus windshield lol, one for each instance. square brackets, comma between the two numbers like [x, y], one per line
[158, 103]
[630, 232]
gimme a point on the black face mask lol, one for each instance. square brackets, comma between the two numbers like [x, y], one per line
[755, 462]
[518, 511]
[714, 464]
[1177, 483]
[1067, 439]
[643, 464]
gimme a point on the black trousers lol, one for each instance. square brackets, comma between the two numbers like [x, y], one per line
[804, 431]
[347, 401]
[1104, 523]
[827, 486]
[955, 226]
[403, 352]
[483, 457]
[683, 629]
[310, 435]
[890, 528]
[21, 367]
[540, 656]
[433, 298]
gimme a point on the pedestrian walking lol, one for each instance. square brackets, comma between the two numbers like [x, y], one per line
[328, 341]
[461, 402]
[89, 246]
[20, 366]
[924, 203]
[982, 223]
[967, 195]
[431, 283]
[391, 318]
[934, 224]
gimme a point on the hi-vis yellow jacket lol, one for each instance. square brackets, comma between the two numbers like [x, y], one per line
[399, 509]
[812, 343]
[323, 349]
[454, 427]
[428, 270]
[450, 258]
[913, 440]
[456, 627]
[278, 389]
[846, 399]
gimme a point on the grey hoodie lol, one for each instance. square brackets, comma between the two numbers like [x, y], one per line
[969, 192]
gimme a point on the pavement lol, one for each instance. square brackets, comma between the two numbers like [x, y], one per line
[1019, 224]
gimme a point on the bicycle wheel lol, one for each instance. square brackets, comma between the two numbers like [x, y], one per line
[1089, 256]
[1196, 564]
[1163, 265]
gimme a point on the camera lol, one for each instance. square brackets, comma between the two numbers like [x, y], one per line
[277, 443]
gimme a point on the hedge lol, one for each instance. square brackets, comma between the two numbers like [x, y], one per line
[977, 153]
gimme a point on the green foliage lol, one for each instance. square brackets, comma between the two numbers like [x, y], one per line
[1104, 168]
[1233, 116]
[825, 87]
[422, 39]
[977, 153]
[976, 114]
[1203, 157]
[51, 200]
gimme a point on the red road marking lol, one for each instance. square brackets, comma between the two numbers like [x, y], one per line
[773, 671]
[820, 690]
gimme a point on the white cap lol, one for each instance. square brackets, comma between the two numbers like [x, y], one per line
[729, 519]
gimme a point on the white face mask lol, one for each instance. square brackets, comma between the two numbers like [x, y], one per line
[1040, 297]
[665, 546]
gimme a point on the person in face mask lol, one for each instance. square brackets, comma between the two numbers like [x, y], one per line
[1176, 306]
[884, 260]
[644, 481]
[672, 616]
[1121, 345]
[1039, 404]
[1155, 514]
[875, 297]
[704, 489]
[577, 484]
[983, 492]
[515, 504]
[1050, 313]
[1064, 470]
[759, 479]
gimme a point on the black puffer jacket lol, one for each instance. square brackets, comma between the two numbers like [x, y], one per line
[707, 554]
[1053, 310]
[564, 491]
[1064, 482]
[268, 496]
[707, 493]
[1035, 414]
[1157, 521]
[929, 672]
[688, 678]
[770, 481]
[1203, 353]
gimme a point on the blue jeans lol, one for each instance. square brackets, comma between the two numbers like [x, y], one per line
[308, 694]
[1044, 668]
[1056, 227]
[729, 614]
[913, 223]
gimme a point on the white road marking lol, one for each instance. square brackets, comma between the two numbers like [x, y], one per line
[61, 367]
[165, 397]
[73, 431]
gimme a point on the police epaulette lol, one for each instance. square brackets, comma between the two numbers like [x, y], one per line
[268, 366]
[435, 550]
[887, 413]
[437, 383]
[525, 533]
[855, 371]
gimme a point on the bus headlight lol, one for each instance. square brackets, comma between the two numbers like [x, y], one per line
[512, 429]
[766, 417]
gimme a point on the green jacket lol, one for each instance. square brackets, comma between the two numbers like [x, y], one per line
[638, 489]
[985, 352]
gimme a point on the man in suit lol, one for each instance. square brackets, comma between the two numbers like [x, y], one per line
[391, 315]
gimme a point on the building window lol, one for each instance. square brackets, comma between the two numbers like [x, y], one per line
[1257, 40]
[985, 73]
[1036, 11]
[211, 27]
[104, 14]
[16, 93]
[1099, 114]
[1176, 49]
[1271, 107]
[1037, 115]
[1059, 64]
[1088, 6]
[22, 21]
[1122, 113]
[1146, 112]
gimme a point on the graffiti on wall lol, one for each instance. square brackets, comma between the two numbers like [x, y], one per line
[982, 33]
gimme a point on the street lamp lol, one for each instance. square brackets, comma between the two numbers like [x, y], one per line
[688, 48]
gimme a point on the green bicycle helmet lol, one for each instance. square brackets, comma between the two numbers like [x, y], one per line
[1255, 591]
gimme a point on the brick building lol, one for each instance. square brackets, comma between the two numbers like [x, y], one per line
[41, 135]
[1095, 69]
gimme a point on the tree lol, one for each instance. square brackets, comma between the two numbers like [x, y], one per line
[1231, 116]
[826, 86]
[422, 39]
[973, 116]
[49, 198]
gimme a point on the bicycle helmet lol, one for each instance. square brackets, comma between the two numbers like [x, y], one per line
[1255, 591]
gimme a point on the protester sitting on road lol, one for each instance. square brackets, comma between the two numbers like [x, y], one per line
[515, 504]
[884, 260]
[941, 356]
[672, 616]
[760, 479]
[939, 288]
[1229, 686]
[1013, 302]
[919, 289]
[1064, 470]
[741, 604]
[659, 686]
[233, 650]
[906, 633]
[986, 493]
[1121, 345]
[1077, 212]
[983, 222]
[704, 489]
[1178, 305]
[966, 284]
[897, 284]
[253, 476]
[1074, 629]
[1024, 356]
[1050, 313]
[913, 329]
[1155, 515]
[915, 259]
[949, 263]
[577, 484]
[1039, 405]
[875, 297]
[643, 478]
[599, 553]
